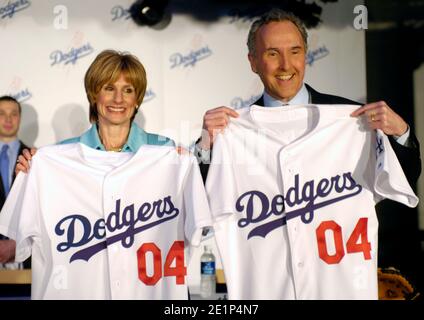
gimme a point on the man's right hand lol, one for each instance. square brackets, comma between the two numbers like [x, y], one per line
[214, 122]
[23, 163]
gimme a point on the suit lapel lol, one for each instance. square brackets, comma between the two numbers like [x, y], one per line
[315, 96]
[2, 197]
[22, 146]
[260, 102]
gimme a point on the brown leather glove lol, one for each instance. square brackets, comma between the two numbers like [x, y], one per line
[392, 285]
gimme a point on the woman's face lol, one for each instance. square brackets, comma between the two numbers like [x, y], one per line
[116, 102]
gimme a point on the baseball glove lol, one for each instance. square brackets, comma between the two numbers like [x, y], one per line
[392, 285]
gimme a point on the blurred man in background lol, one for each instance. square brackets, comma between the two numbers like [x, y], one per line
[10, 148]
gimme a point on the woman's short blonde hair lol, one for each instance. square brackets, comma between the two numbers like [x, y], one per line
[106, 68]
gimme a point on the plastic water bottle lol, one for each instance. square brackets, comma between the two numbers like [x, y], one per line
[207, 270]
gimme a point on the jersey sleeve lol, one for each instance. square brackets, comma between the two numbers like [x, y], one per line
[18, 215]
[196, 205]
[390, 181]
[221, 185]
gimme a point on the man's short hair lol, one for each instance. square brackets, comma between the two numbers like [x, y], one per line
[275, 15]
[11, 99]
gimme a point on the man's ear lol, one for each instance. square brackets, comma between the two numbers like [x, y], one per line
[252, 61]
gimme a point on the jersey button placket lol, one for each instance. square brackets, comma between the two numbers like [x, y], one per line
[111, 191]
[288, 173]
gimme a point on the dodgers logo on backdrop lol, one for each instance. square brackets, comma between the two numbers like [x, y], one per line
[316, 54]
[119, 12]
[78, 231]
[239, 102]
[179, 59]
[9, 10]
[22, 96]
[72, 56]
[150, 95]
[258, 209]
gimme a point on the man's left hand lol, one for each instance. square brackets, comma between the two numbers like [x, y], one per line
[380, 116]
[7, 250]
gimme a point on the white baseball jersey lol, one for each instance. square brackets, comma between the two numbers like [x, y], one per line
[293, 191]
[104, 225]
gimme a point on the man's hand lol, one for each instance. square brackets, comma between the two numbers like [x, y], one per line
[380, 116]
[7, 251]
[23, 163]
[214, 122]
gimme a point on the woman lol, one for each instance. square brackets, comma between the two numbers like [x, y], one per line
[115, 84]
[78, 211]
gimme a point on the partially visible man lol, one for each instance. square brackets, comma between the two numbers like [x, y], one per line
[277, 44]
[10, 148]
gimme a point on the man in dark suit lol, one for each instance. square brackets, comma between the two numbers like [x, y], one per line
[10, 148]
[277, 44]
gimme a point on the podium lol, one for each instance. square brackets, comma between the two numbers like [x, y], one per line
[15, 284]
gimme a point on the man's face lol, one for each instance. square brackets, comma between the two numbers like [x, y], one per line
[279, 59]
[9, 120]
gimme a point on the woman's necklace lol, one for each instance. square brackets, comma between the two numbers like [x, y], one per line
[113, 149]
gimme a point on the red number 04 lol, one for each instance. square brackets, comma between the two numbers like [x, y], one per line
[358, 241]
[176, 252]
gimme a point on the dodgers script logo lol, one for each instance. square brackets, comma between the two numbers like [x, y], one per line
[150, 95]
[316, 54]
[22, 95]
[79, 231]
[119, 12]
[179, 59]
[238, 102]
[9, 10]
[71, 56]
[308, 194]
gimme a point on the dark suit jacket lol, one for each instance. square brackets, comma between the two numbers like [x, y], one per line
[409, 157]
[27, 263]
[2, 196]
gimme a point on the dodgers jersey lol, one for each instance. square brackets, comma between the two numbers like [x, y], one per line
[292, 190]
[104, 225]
